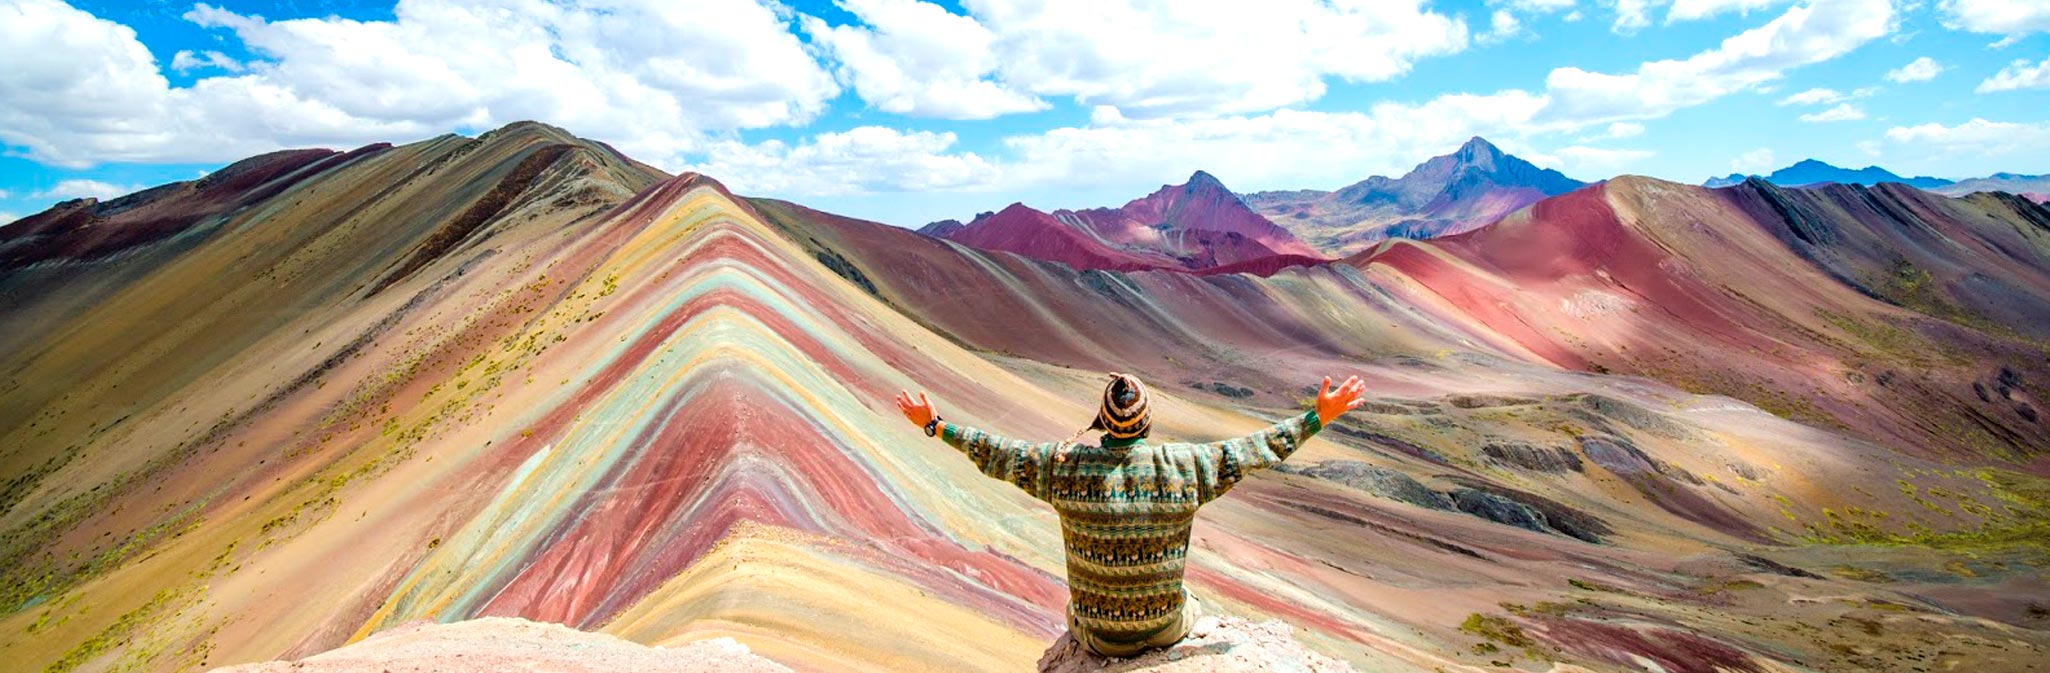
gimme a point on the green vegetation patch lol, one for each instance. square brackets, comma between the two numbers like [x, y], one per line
[1497, 632]
[2018, 522]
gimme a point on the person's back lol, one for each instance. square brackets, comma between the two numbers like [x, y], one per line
[1126, 506]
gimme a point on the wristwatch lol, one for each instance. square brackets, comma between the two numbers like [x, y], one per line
[932, 427]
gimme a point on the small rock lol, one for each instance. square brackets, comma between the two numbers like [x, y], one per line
[1225, 645]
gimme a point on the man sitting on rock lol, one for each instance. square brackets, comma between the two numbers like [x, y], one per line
[1126, 506]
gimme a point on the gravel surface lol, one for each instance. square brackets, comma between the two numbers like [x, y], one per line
[506, 645]
[1215, 645]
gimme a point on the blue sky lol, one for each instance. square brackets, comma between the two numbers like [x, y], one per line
[907, 111]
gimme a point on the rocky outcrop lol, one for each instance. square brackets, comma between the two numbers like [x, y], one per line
[498, 644]
[1215, 645]
[1379, 481]
[1528, 456]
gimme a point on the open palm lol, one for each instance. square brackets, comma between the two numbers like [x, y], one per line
[1334, 402]
[919, 410]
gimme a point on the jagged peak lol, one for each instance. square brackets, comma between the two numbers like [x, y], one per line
[1478, 146]
[1204, 179]
[1015, 208]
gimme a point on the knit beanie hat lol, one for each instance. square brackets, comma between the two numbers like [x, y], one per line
[1123, 415]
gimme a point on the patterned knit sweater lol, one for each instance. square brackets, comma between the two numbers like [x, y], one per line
[1126, 507]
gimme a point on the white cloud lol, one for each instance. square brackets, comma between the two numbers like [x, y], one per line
[1977, 138]
[1164, 99]
[657, 78]
[2019, 74]
[1843, 112]
[186, 60]
[1148, 59]
[862, 160]
[80, 188]
[1813, 97]
[1596, 163]
[1827, 96]
[8, 218]
[1632, 16]
[1615, 131]
[1625, 130]
[916, 58]
[1919, 70]
[1816, 32]
[1754, 162]
[1502, 25]
[1533, 6]
[1266, 150]
[1689, 10]
[2012, 18]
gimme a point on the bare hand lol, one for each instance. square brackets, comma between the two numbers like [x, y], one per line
[1332, 403]
[919, 411]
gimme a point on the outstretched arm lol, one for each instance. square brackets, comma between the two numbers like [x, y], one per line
[1021, 463]
[1220, 465]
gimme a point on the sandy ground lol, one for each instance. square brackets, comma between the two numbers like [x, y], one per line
[1216, 645]
[503, 645]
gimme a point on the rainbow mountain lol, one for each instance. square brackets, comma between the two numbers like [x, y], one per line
[320, 394]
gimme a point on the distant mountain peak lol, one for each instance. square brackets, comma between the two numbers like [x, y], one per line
[941, 228]
[1815, 171]
[1199, 224]
[1478, 147]
[1471, 186]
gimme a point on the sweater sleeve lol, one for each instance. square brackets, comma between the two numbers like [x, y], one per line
[1022, 464]
[1220, 465]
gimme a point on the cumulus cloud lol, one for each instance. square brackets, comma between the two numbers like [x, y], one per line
[185, 60]
[8, 218]
[2011, 18]
[2019, 74]
[1269, 149]
[673, 83]
[1812, 33]
[1820, 96]
[1689, 10]
[1617, 130]
[1919, 70]
[1843, 112]
[1754, 162]
[1148, 59]
[1597, 162]
[655, 77]
[1977, 137]
[1533, 6]
[857, 161]
[1632, 16]
[81, 188]
[1502, 25]
[916, 58]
